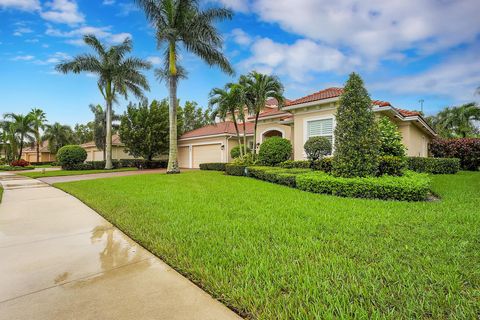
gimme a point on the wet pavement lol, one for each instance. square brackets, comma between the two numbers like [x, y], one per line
[61, 260]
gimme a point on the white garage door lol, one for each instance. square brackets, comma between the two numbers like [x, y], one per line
[206, 153]
[183, 157]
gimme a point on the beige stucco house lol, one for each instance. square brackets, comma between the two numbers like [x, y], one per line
[298, 120]
[118, 150]
[30, 153]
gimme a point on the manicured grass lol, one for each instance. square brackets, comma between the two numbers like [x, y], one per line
[57, 173]
[273, 252]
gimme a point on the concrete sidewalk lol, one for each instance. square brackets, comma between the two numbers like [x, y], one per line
[61, 260]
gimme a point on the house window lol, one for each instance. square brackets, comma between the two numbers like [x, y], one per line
[320, 128]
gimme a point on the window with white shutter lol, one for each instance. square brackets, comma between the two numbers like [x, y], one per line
[320, 128]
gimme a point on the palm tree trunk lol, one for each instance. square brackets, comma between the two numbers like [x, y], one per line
[21, 147]
[38, 149]
[244, 137]
[108, 143]
[172, 114]
[238, 134]
[255, 135]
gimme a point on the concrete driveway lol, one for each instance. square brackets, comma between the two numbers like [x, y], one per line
[61, 260]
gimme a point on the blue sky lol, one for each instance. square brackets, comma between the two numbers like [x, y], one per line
[406, 50]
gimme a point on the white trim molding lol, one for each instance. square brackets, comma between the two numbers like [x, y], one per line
[282, 131]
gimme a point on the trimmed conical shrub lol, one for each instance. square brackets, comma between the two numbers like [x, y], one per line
[357, 141]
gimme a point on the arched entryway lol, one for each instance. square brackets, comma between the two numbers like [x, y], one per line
[272, 133]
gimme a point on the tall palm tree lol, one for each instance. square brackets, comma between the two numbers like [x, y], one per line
[39, 121]
[116, 75]
[22, 128]
[9, 140]
[226, 103]
[181, 23]
[258, 89]
[57, 135]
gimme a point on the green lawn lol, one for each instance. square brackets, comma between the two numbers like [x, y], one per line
[1, 193]
[272, 252]
[57, 173]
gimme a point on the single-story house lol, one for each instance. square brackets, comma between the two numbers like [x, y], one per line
[298, 120]
[118, 150]
[30, 153]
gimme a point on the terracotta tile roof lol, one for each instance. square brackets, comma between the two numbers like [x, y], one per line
[319, 95]
[274, 102]
[33, 147]
[115, 142]
[226, 127]
[408, 113]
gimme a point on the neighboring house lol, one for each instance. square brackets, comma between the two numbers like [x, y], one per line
[30, 153]
[298, 120]
[118, 150]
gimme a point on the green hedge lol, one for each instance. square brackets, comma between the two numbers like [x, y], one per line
[324, 164]
[70, 156]
[409, 187]
[215, 166]
[281, 176]
[434, 165]
[13, 168]
[235, 170]
[392, 165]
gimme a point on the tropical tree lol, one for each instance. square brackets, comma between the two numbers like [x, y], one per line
[21, 128]
[100, 125]
[39, 121]
[194, 117]
[459, 121]
[227, 104]
[182, 24]
[83, 133]
[116, 75]
[258, 89]
[57, 135]
[9, 140]
[144, 129]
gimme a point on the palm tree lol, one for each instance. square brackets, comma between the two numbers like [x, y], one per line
[457, 121]
[227, 103]
[258, 89]
[57, 135]
[116, 75]
[21, 128]
[182, 22]
[9, 140]
[39, 120]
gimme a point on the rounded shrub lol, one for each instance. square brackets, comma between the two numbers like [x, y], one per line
[20, 163]
[317, 147]
[235, 152]
[274, 150]
[70, 156]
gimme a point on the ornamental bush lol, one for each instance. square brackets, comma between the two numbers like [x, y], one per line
[324, 164]
[71, 155]
[465, 149]
[235, 170]
[434, 165]
[390, 139]
[356, 133]
[276, 175]
[410, 187]
[393, 166]
[215, 166]
[274, 150]
[317, 147]
[235, 152]
[20, 163]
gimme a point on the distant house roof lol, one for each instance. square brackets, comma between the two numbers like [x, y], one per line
[115, 142]
[33, 147]
[226, 127]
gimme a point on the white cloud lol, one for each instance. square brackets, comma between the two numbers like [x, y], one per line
[457, 77]
[26, 5]
[63, 11]
[76, 35]
[23, 58]
[237, 5]
[127, 8]
[108, 2]
[241, 37]
[32, 40]
[375, 28]
[20, 31]
[298, 60]
[54, 58]
[154, 60]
